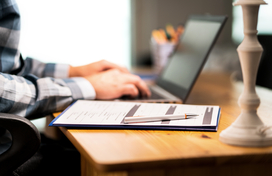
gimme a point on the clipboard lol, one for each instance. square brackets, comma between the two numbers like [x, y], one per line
[110, 115]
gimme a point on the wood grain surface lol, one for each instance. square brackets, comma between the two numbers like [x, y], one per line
[156, 151]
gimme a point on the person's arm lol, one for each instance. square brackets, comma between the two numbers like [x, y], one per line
[41, 69]
[57, 70]
[32, 97]
[109, 80]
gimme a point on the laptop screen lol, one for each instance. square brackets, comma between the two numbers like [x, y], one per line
[186, 63]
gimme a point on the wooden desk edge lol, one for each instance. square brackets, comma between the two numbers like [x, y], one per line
[247, 158]
[171, 163]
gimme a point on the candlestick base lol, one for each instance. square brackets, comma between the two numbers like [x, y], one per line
[254, 136]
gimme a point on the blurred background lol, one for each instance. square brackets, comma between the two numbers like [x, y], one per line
[83, 31]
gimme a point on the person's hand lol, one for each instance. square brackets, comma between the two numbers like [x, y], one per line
[93, 68]
[113, 83]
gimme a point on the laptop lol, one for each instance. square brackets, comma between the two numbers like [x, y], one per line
[177, 78]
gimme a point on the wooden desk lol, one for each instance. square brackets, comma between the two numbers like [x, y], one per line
[150, 152]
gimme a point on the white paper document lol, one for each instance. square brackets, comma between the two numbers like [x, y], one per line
[84, 113]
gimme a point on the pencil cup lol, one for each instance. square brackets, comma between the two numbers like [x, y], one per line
[160, 53]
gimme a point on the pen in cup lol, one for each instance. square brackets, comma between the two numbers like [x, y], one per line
[142, 119]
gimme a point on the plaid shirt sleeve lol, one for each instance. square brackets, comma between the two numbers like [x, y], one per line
[30, 88]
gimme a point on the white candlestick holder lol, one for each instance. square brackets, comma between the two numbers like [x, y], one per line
[248, 129]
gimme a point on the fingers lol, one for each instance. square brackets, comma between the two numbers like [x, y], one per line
[130, 89]
[139, 84]
[109, 65]
[136, 81]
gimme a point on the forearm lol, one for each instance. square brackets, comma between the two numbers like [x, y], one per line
[30, 96]
[40, 69]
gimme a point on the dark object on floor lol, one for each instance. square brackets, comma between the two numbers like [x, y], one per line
[26, 152]
[19, 140]
[54, 158]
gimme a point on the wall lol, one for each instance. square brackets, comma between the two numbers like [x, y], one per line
[151, 14]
